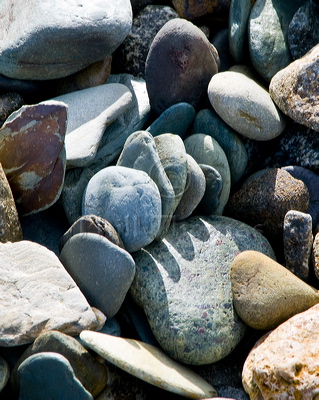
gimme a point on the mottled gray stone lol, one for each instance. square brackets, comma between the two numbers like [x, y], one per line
[206, 150]
[51, 45]
[187, 300]
[214, 185]
[238, 28]
[129, 199]
[298, 239]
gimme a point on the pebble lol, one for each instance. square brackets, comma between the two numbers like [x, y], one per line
[148, 363]
[130, 200]
[282, 362]
[25, 54]
[179, 65]
[245, 105]
[205, 329]
[265, 293]
[214, 184]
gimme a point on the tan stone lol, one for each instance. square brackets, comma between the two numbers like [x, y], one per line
[283, 364]
[265, 294]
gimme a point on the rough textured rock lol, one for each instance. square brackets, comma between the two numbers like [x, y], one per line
[25, 53]
[9, 103]
[38, 295]
[295, 92]
[265, 293]
[35, 172]
[205, 329]
[283, 363]
[179, 65]
[315, 255]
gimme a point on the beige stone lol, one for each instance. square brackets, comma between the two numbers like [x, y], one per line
[265, 293]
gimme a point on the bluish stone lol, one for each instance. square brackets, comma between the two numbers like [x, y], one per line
[214, 185]
[221, 43]
[238, 28]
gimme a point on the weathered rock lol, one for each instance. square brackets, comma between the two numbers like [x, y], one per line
[265, 293]
[35, 172]
[38, 295]
[315, 255]
[9, 103]
[283, 362]
[50, 45]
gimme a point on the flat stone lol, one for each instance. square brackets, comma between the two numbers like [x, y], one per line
[202, 328]
[9, 103]
[282, 362]
[130, 200]
[179, 65]
[245, 105]
[25, 54]
[36, 172]
[35, 383]
[38, 295]
[265, 293]
[104, 285]
[90, 111]
[206, 150]
[295, 92]
[149, 363]
[239, 12]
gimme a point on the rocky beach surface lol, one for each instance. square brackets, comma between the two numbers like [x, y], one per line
[159, 216]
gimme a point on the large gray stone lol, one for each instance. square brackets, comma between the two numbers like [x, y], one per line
[61, 37]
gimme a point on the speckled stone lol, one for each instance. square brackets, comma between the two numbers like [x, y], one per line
[179, 65]
[214, 185]
[131, 55]
[303, 32]
[295, 91]
[315, 255]
[265, 293]
[298, 241]
[9, 103]
[193, 9]
[283, 363]
[201, 328]
[206, 150]
[238, 28]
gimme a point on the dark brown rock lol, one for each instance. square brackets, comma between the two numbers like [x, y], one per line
[192, 9]
[9, 103]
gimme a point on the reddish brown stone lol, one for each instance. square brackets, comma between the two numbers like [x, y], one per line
[192, 9]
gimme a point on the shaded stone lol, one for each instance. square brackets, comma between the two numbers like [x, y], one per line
[239, 12]
[295, 92]
[206, 150]
[35, 383]
[283, 362]
[149, 363]
[4, 373]
[9, 103]
[193, 9]
[31, 91]
[35, 172]
[38, 295]
[315, 255]
[298, 241]
[205, 329]
[221, 43]
[179, 65]
[92, 224]
[265, 293]
[214, 185]
[25, 54]
[129, 199]
[245, 105]
[103, 283]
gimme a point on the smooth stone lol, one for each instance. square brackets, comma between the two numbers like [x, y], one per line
[10, 226]
[294, 90]
[192, 9]
[207, 328]
[221, 43]
[31, 91]
[282, 362]
[111, 327]
[172, 153]
[90, 111]
[206, 150]
[245, 106]
[303, 31]
[148, 363]
[315, 255]
[194, 190]
[175, 119]
[39, 295]
[298, 239]
[92, 224]
[4, 373]
[49, 46]
[36, 172]
[239, 12]
[179, 65]
[268, 35]
[130, 200]
[35, 383]
[140, 152]
[130, 57]
[90, 372]
[214, 185]
[9, 102]
[265, 293]
[207, 121]
[104, 285]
